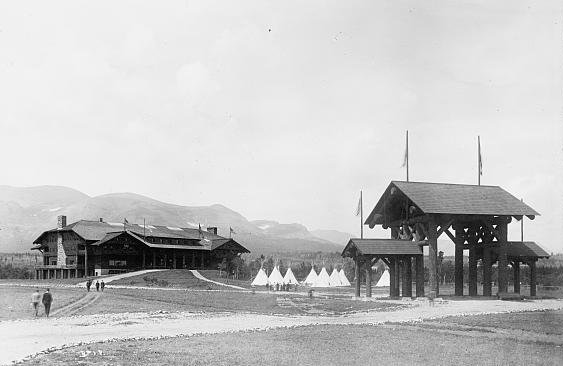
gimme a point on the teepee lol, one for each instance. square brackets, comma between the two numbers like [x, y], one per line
[334, 280]
[311, 278]
[261, 278]
[323, 279]
[384, 280]
[275, 277]
[343, 279]
[289, 278]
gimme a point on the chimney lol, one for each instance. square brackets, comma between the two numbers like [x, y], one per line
[61, 221]
[212, 230]
[101, 219]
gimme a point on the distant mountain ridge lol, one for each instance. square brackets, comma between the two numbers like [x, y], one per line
[27, 212]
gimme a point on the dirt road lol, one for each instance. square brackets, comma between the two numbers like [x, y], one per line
[22, 338]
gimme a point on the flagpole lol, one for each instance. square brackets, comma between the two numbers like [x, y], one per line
[479, 160]
[522, 225]
[407, 155]
[361, 216]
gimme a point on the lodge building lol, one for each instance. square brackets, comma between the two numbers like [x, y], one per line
[93, 248]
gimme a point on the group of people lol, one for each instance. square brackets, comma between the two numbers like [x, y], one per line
[46, 299]
[98, 285]
[281, 287]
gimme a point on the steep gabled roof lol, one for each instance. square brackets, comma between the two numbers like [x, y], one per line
[98, 232]
[381, 247]
[455, 199]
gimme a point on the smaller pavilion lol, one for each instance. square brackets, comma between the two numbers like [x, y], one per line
[396, 254]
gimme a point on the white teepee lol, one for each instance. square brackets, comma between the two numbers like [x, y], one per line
[323, 279]
[343, 279]
[334, 279]
[275, 277]
[261, 279]
[289, 278]
[384, 280]
[311, 278]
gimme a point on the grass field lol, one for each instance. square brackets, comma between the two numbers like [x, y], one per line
[342, 345]
[15, 302]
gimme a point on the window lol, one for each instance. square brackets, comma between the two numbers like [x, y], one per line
[53, 261]
[117, 263]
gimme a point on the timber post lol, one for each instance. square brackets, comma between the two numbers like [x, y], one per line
[397, 276]
[516, 269]
[357, 274]
[503, 257]
[433, 255]
[487, 264]
[532, 278]
[407, 284]
[458, 260]
[419, 276]
[473, 266]
[368, 278]
[391, 276]
[153, 258]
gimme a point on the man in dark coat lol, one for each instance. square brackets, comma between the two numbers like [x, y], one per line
[47, 300]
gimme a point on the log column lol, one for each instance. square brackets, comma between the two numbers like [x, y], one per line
[397, 276]
[368, 278]
[419, 276]
[175, 260]
[533, 278]
[433, 255]
[391, 276]
[407, 279]
[357, 274]
[144, 259]
[473, 268]
[153, 258]
[516, 269]
[202, 260]
[458, 268]
[487, 263]
[503, 257]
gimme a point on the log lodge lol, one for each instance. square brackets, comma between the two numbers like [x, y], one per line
[94, 248]
[417, 214]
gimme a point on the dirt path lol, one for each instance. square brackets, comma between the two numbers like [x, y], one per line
[121, 275]
[88, 299]
[22, 338]
[201, 277]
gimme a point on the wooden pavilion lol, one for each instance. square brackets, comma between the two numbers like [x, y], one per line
[419, 213]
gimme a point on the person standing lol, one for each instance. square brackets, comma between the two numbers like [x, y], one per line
[102, 285]
[35, 298]
[47, 300]
[97, 286]
[88, 284]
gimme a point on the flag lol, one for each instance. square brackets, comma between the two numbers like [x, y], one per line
[359, 208]
[406, 156]
[231, 231]
[480, 157]
[125, 221]
[199, 230]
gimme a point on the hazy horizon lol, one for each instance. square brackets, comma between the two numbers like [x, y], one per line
[282, 114]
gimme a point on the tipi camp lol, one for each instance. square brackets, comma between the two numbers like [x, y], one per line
[334, 279]
[289, 278]
[311, 277]
[261, 278]
[275, 277]
[323, 279]
[384, 280]
[343, 279]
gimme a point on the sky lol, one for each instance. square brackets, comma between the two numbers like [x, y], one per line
[285, 110]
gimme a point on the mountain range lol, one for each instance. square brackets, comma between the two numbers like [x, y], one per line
[25, 212]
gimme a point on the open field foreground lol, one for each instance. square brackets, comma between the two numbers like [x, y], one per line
[25, 337]
[445, 343]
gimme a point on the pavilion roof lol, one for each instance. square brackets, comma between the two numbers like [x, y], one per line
[445, 198]
[526, 249]
[381, 247]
